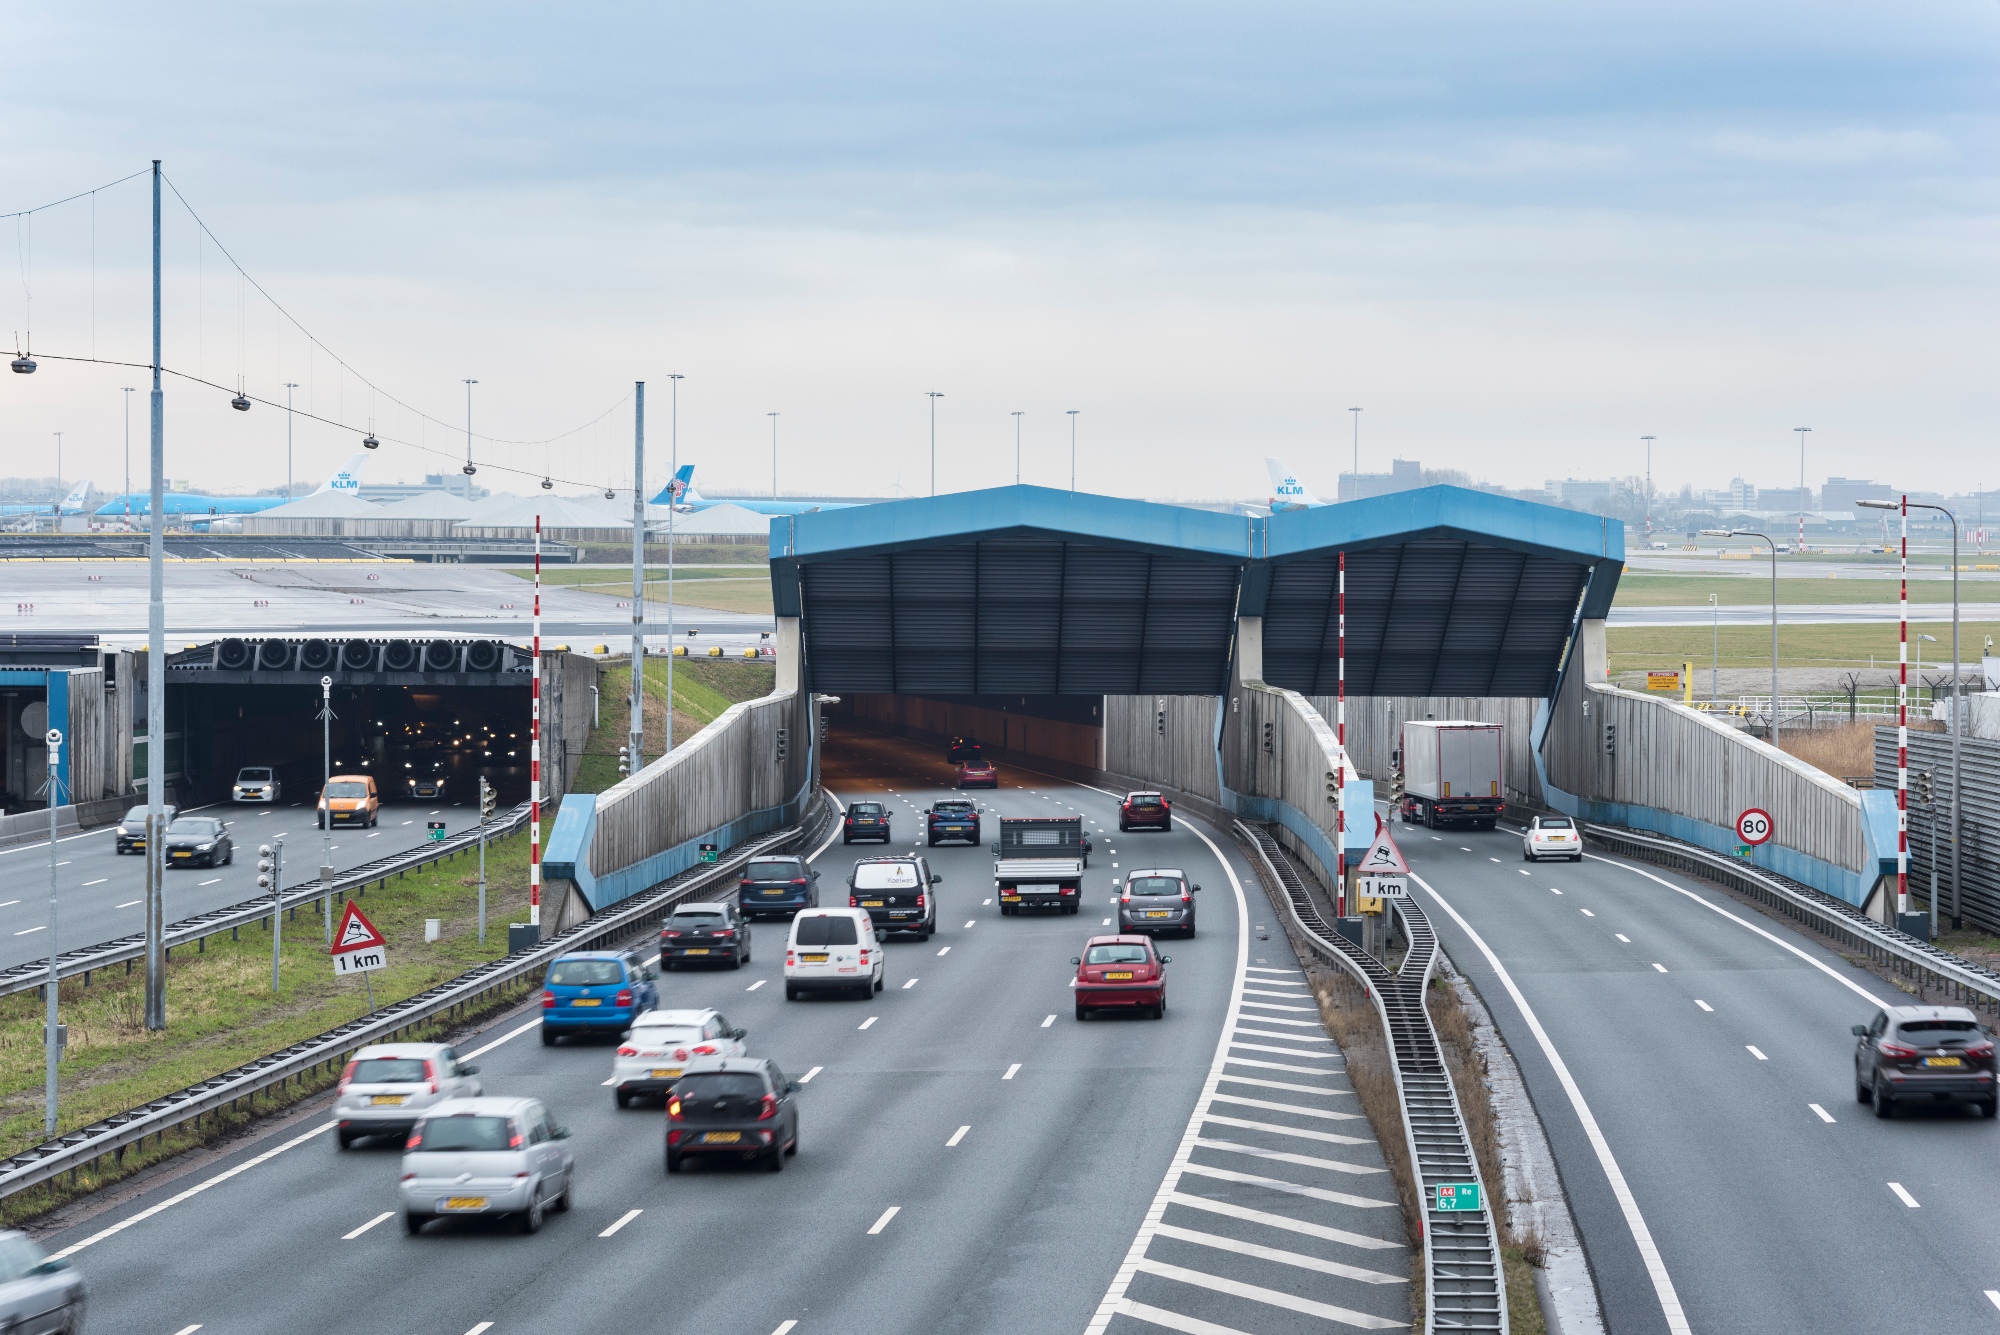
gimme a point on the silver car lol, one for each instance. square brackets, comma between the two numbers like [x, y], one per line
[389, 1086]
[39, 1294]
[485, 1157]
[1157, 900]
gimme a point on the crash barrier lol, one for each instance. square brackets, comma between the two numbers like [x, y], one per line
[195, 931]
[32, 826]
[1615, 757]
[1464, 1286]
[1967, 983]
[469, 994]
[1978, 896]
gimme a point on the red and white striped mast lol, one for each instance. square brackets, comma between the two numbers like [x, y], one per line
[535, 749]
[1340, 776]
[1903, 728]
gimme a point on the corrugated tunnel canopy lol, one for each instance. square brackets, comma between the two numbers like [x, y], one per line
[1026, 590]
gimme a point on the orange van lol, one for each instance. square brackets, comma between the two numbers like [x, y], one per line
[349, 799]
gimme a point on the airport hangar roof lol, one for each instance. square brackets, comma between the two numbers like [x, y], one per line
[1034, 591]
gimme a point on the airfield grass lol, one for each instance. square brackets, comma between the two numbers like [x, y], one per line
[1869, 648]
[1637, 589]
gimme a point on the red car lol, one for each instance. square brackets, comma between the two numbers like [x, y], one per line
[1121, 973]
[1145, 810]
[978, 772]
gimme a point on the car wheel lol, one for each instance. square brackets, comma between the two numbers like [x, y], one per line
[531, 1218]
[1168, 828]
[791, 993]
[1190, 929]
[845, 840]
[413, 1223]
[621, 1098]
[736, 958]
[69, 1321]
[1885, 1106]
[775, 1160]
[930, 841]
[674, 1158]
[1862, 1094]
[878, 983]
[1989, 1107]
[1082, 1012]
[569, 1186]
[1159, 1011]
[548, 1037]
[1577, 858]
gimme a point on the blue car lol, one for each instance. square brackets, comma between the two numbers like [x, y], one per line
[596, 992]
[952, 819]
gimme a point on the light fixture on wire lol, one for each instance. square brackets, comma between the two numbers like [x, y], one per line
[610, 494]
[468, 470]
[368, 442]
[240, 403]
[547, 485]
[23, 365]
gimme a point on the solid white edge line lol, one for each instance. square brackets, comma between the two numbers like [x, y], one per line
[622, 1220]
[535, 1023]
[1628, 1205]
[1114, 1296]
[386, 1214]
[812, 856]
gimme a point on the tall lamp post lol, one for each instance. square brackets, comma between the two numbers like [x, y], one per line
[468, 470]
[1715, 648]
[1805, 497]
[1753, 533]
[636, 725]
[1357, 454]
[774, 454]
[291, 385]
[1072, 447]
[934, 396]
[52, 1030]
[673, 504]
[1649, 487]
[1017, 449]
[156, 672]
[1957, 687]
[129, 389]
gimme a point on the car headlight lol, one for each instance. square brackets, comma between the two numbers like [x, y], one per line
[203, 848]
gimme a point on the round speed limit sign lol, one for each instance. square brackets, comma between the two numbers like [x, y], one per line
[1754, 826]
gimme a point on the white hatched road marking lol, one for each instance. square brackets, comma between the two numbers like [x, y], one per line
[1279, 1019]
[623, 1220]
[1159, 1316]
[1302, 1133]
[1237, 1288]
[1824, 1115]
[480, 1329]
[1284, 1156]
[784, 1328]
[1282, 1257]
[1289, 1188]
[1993, 1296]
[910, 983]
[1904, 1196]
[1289, 1052]
[1554, 891]
[1661, 967]
[1287, 1084]
[944, 950]
[1271, 1105]
[1274, 1066]
[1586, 913]
[1273, 1006]
[1245, 1213]
[1253, 968]
[385, 1215]
[1289, 1038]
[188, 1330]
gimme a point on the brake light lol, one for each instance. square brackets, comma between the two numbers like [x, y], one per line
[409, 1177]
[1979, 1048]
[854, 901]
[850, 820]
[1125, 898]
[920, 901]
[799, 881]
[864, 957]
[673, 1137]
[791, 957]
[628, 1051]
[705, 1050]
[744, 881]
[1186, 898]
[670, 936]
[515, 1141]
[726, 931]
[347, 1076]
[767, 1107]
[674, 1108]
[1896, 1050]
[431, 1074]
[624, 997]
[416, 1140]
[548, 998]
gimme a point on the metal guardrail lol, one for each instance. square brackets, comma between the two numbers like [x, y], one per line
[86, 960]
[1967, 983]
[1464, 1286]
[465, 994]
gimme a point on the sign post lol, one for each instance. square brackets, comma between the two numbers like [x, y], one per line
[359, 948]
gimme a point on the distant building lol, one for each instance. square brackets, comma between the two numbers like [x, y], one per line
[1403, 475]
[433, 484]
[1840, 493]
[1737, 496]
[1776, 500]
[1583, 493]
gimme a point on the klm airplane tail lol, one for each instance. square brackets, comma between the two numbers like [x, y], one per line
[73, 503]
[1287, 492]
[348, 479]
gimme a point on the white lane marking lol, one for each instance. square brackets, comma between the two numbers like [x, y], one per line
[1622, 937]
[1249, 1215]
[623, 1220]
[1114, 866]
[1782, 944]
[1273, 1006]
[974, 922]
[883, 1222]
[1249, 991]
[1822, 1113]
[1493, 859]
[1586, 913]
[913, 982]
[1288, 1187]
[1048, 1020]
[130, 903]
[514, 1033]
[1276, 1066]
[1160, 1316]
[1011, 1071]
[1279, 1255]
[1278, 1033]
[943, 950]
[12, 902]
[188, 1330]
[380, 1218]
[1526, 872]
[1289, 1052]
[102, 879]
[754, 986]
[1301, 1133]
[1554, 891]
[1704, 1005]
[480, 1329]
[1107, 923]
[957, 1136]
[1321, 1090]
[1285, 1156]
[1642, 1236]
[807, 1077]
[63, 863]
[1755, 1052]
[1254, 968]
[1993, 1296]
[1278, 1019]
[215, 881]
[1659, 966]
[43, 928]
[1237, 1288]
[193, 1191]
[869, 1021]
[982, 902]
[1904, 1196]
[784, 1328]
[371, 836]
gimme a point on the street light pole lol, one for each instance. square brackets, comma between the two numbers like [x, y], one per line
[51, 1029]
[934, 396]
[1805, 497]
[1072, 447]
[673, 504]
[1357, 454]
[290, 385]
[326, 717]
[59, 476]
[1649, 487]
[636, 725]
[128, 454]
[1715, 648]
[774, 454]
[1017, 449]
[468, 438]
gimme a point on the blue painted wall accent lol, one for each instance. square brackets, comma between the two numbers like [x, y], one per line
[55, 681]
[1359, 795]
[610, 887]
[567, 858]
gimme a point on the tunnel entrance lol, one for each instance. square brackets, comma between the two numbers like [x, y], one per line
[1064, 728]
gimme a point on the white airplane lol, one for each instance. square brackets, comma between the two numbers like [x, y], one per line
[1287, 492]
[348, 479]
[68, 505]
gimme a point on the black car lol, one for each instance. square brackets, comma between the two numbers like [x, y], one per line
[705, 934]
[131, 834]
[865, 820]
[199, 841]
[429, 787]
[739, 1106]
[961, 749]
[1924, 1055]
[777, 886]
[952, 819]
[896, 892]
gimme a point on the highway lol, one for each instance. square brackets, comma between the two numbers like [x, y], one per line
[101, 894]
[972, 1157]
[1710, 1045]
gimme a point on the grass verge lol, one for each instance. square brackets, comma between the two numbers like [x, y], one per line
[1754, 590]
[1868, 647]
[703, 689]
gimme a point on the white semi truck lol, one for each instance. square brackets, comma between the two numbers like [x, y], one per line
[1451, 773]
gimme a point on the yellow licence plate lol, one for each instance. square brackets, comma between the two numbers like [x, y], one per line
[721, 1137]
[1943, 1061]
[586, 1001]
[666, 1073]
[695, 950]
[183, 855]
[392, 1099]
[1117, 977]
[774, 892]
[871, 903]
[812, 959]
[1157, 913]
[465, 1202]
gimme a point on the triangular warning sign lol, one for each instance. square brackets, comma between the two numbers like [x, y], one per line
[1383, 858]
[355, 932]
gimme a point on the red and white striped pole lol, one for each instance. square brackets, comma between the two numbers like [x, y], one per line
[1340, 734]
[1903, 729]
[535, 750]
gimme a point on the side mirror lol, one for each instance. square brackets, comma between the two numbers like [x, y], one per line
[624, 1034]
[54, 1265]
[1858, 1030]
[996, 850]
[1166, 959]
[791, 1086]
[1196, 890]
[559, 1133]
[739, 1033]
[1076, 959]
[937, 880]
[466, 1068]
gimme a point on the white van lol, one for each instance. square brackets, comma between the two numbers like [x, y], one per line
[834, 950]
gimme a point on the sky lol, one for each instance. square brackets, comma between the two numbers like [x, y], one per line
[1519, 236]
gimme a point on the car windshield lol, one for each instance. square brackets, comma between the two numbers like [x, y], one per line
[953, 808]
[773, 871]
[585, 973]
[664, 1035]
[253, 776]
[389, 1071]
[465, 1132]
[18, 1257]
[865, 809]
[192, 825]
[1134, 954]
[1555, 823]
[1914, 1027]
[347, 790]
[977, 762]
[721, 1084]
[1153, 885]
[135, 816]
[1144, 799]
[824, 929]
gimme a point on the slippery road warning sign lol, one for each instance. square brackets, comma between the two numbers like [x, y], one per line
[357, 946]
[1382, 871]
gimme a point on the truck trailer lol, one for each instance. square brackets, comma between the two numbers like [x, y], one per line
[1039, 863]
[1451, 773]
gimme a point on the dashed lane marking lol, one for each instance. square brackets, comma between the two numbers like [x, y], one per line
[883, 1222]
[869, 1021]
[957, 1136]
[1660, 967]
[510, 1034]
[380, 1218]
[910, 983]
[944, 950]
[1704, 1005]
[754, 986]
[1048, 1020]
[1822, 1113]
[1011, 1071]
[1756, 1052]
[1904, 1196]
[807, 1077]
[102, 879]
[1586, 913]
[622, 1220]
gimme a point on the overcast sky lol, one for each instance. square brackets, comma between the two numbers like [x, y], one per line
[1519, 236]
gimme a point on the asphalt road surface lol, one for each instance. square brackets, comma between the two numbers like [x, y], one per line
[1710, 1045]
[972, 1157]
[101, 894]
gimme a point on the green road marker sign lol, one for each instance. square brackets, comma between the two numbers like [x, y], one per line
[709, 853]
[1457, 1196]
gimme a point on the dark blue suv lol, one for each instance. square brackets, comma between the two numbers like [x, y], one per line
[952, 819]
[596, 992]
[777, 885]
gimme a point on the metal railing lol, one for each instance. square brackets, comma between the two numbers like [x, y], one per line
[86, 960]
[466, 994]
[1464, 1287]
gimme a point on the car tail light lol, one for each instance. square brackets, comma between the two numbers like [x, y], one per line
[920, 901]
[624, 997]
[850, 820]
[416, 1140]
[674, 1108]
[1896, 1050]
[347, 1076]
[800, 881]
[674, 1137]
[520, 1175]
[1125, 898]
[854, 901]
[791, 957]
[516, 1140]
[726, 931]
[409, 1177]
[744, 881]
[431, 1074]
[628, 1051]
[864, 957]
[767, 1107]
[670, 936]
[1979, 1048]
[548, 998]
[1186, 898]
[705, 1050]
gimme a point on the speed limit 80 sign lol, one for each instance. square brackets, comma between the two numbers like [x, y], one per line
[1754, 826]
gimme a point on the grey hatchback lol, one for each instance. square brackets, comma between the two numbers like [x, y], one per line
[738, 1106]
[1924, 1055]
[1157, 900]
[39, 1293]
